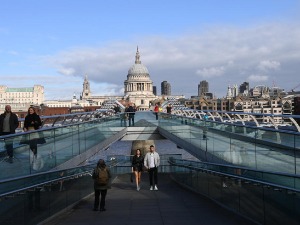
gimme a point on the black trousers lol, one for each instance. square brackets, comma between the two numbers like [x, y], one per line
[97, 198]
[9, 145]
[153, 176]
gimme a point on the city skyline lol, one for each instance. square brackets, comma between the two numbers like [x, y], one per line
[56, 43]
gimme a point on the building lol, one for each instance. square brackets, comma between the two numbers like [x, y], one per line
[154, 90]
[86, 93]
[21, 98]
[138, 87]
[86, 96]
[165, 88]
[244, 88]
[203, 87]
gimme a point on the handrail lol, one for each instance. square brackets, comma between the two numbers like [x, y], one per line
[269, 184]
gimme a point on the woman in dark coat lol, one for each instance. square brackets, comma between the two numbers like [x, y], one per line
[137, 167]
[32, 122]
[101, 184]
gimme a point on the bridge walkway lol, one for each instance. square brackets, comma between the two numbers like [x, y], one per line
[170, 205]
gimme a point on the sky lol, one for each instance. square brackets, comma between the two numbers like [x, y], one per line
[55, 43]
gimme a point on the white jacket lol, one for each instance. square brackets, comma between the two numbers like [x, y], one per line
[147, 159]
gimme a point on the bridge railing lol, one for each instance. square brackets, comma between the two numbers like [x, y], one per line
[36, 197]
[230, 143]
[261, 201]
[55, 144]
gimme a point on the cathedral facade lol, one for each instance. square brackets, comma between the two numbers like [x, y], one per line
[138, 88]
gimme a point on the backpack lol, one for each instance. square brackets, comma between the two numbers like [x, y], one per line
[102, 177]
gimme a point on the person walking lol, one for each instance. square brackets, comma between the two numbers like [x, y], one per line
[8, 125]
[33, 122]
[169, 108]
[137, 168]
[151, 162]
[156, 108]
[131, 112]
[101, 176]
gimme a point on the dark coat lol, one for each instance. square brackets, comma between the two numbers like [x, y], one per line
[95, 175]
[32, 120]
[13, 122]
[131, 111]
[137, 163]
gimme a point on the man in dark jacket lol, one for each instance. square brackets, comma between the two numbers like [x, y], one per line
[8, 125]
[131, 112]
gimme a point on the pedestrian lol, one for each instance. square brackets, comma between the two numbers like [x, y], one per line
[131, 112]
[8, 125]
[33, 122]
[169, 108]
[151, 162]
[156, 108]
[137, 168]
[101, 176]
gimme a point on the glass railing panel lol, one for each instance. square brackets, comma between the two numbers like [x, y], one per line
[288, 139]
[271, 136]
[37, 204]
[259, 202]
[297, 154]
[253, 152]
[59, 145]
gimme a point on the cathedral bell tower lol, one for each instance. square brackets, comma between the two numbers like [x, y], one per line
[86, 92]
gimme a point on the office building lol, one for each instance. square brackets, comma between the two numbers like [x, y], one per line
[165, 88]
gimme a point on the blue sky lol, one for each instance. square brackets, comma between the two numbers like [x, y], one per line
[56, 42]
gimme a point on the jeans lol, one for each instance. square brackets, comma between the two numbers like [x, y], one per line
[131, 120]
[9, 145]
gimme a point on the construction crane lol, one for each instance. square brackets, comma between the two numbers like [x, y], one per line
[293, 89]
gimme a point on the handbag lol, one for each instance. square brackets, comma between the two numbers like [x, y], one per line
[145, 168]
[131, 178]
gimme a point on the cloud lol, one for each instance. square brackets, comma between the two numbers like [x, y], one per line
[258, 78]
[220, 54]
[267, 65]
[211, 72]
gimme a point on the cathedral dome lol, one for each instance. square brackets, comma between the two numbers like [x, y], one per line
[138, 69]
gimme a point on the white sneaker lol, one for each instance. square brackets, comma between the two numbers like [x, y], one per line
[155, 188]
[138, 188]
[151, 188]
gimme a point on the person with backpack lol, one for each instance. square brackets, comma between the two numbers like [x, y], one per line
[101, 176]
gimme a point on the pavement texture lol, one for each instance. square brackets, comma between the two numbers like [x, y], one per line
[170, 205]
